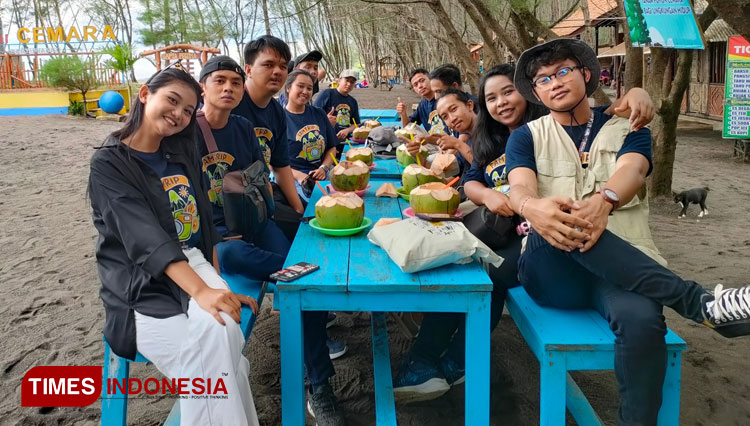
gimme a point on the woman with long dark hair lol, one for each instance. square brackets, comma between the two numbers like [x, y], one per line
[162, 296]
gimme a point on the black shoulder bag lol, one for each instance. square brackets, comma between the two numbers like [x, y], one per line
[247, 196]
[495, 230]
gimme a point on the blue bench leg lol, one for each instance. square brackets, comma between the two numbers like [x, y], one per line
[477, 388]
[385, 408]
[552, 383]
[292, 360]
[669, 413]
[114, 407]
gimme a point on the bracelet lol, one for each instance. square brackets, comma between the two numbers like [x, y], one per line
[523, 204]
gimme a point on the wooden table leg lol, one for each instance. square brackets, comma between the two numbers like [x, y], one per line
[292, 359]
[477, 388]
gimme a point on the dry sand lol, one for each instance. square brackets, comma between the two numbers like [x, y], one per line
[52, 315]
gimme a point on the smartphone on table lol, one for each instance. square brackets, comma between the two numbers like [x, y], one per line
[293, 272]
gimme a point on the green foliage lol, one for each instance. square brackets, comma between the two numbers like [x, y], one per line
[169, 22]
[75, 108]
[122, 58]
[71, 73]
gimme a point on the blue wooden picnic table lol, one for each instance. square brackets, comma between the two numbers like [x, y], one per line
[385, 168]
[356, 275]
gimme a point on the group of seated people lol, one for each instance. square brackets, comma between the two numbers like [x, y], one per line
[532, 147]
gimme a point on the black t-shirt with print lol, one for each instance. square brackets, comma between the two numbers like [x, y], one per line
[270, 129]
[181, 196]
[310, 135]
[237, 149]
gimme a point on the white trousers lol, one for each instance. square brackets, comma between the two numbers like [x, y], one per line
[196, 345]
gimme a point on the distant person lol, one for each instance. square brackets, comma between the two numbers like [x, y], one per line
[312, 140]
[162, 295]
[346, 108]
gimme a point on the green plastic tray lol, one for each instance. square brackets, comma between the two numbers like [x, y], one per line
[340, 232]
[402, 193]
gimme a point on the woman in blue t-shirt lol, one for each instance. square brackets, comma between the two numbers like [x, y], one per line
[311, 138]
[162, 296]
[438, 352]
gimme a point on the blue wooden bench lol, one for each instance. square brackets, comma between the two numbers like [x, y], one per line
[115, 406]
[565, 340]
[387, 117]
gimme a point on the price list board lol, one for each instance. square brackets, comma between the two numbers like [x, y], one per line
[737, 90]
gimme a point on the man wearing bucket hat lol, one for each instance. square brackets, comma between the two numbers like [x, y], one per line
[578, 177]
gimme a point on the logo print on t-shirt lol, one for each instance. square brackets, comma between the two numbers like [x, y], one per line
[584, 159]
[343, 115]
[264, 137]
[184, 208]
[215, 166]
[437, 127]
[496, 171]
[313, 143]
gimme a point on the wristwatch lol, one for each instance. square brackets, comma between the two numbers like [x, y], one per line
[325, 168]
[611, 197]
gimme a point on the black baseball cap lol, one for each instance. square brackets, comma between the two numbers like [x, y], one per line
[313, 55]
[219, 63]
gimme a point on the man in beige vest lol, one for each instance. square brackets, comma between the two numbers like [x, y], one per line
[578, 177]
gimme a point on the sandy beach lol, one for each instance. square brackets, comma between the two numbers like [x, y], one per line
[51, 313]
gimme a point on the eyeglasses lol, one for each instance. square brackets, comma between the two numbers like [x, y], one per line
[563, 74]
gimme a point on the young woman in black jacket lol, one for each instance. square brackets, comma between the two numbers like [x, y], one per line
[161, 295]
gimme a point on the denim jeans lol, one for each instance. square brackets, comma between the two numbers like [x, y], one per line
[629, 290]
[444, 334]
[260, 259]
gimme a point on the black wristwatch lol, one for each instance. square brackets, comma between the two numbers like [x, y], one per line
[611, 197]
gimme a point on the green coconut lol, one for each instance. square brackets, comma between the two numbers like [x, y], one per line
[404, 158]
[350, 176]
[361, 133]
[371, 124]
[363, 154]
[341, 210]
[415, 175]
[434, 198]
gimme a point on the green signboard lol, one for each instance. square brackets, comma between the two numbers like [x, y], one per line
[737, 90]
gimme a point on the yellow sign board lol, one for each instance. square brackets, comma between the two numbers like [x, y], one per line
[58, 34]
[171, 56]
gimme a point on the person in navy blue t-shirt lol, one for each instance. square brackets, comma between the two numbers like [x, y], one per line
[256, 256]
[266, 61]
[309, 62]
[266, 67]
[312, 141]
[345, 106]
[426, 114]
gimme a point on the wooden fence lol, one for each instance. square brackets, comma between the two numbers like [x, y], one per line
[13, 76]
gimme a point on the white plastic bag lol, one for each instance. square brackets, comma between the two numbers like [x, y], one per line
[415, 244]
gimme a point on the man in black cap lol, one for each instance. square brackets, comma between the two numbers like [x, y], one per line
[578, 176]
[309, 62]
[222, 80]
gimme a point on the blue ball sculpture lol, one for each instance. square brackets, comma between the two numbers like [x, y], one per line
[111, 102]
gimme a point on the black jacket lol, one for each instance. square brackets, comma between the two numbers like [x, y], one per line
[138, 238]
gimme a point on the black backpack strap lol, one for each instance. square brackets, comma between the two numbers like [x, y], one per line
[208, 135]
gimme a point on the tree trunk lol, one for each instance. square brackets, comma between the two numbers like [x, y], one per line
[462, 53]
[735, 13]
[633, 59]
[667, 87]
[501, 33]
[666, 94]
[491, 49]
[266, 20]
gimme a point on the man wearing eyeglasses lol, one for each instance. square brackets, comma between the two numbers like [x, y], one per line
[578, 176]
